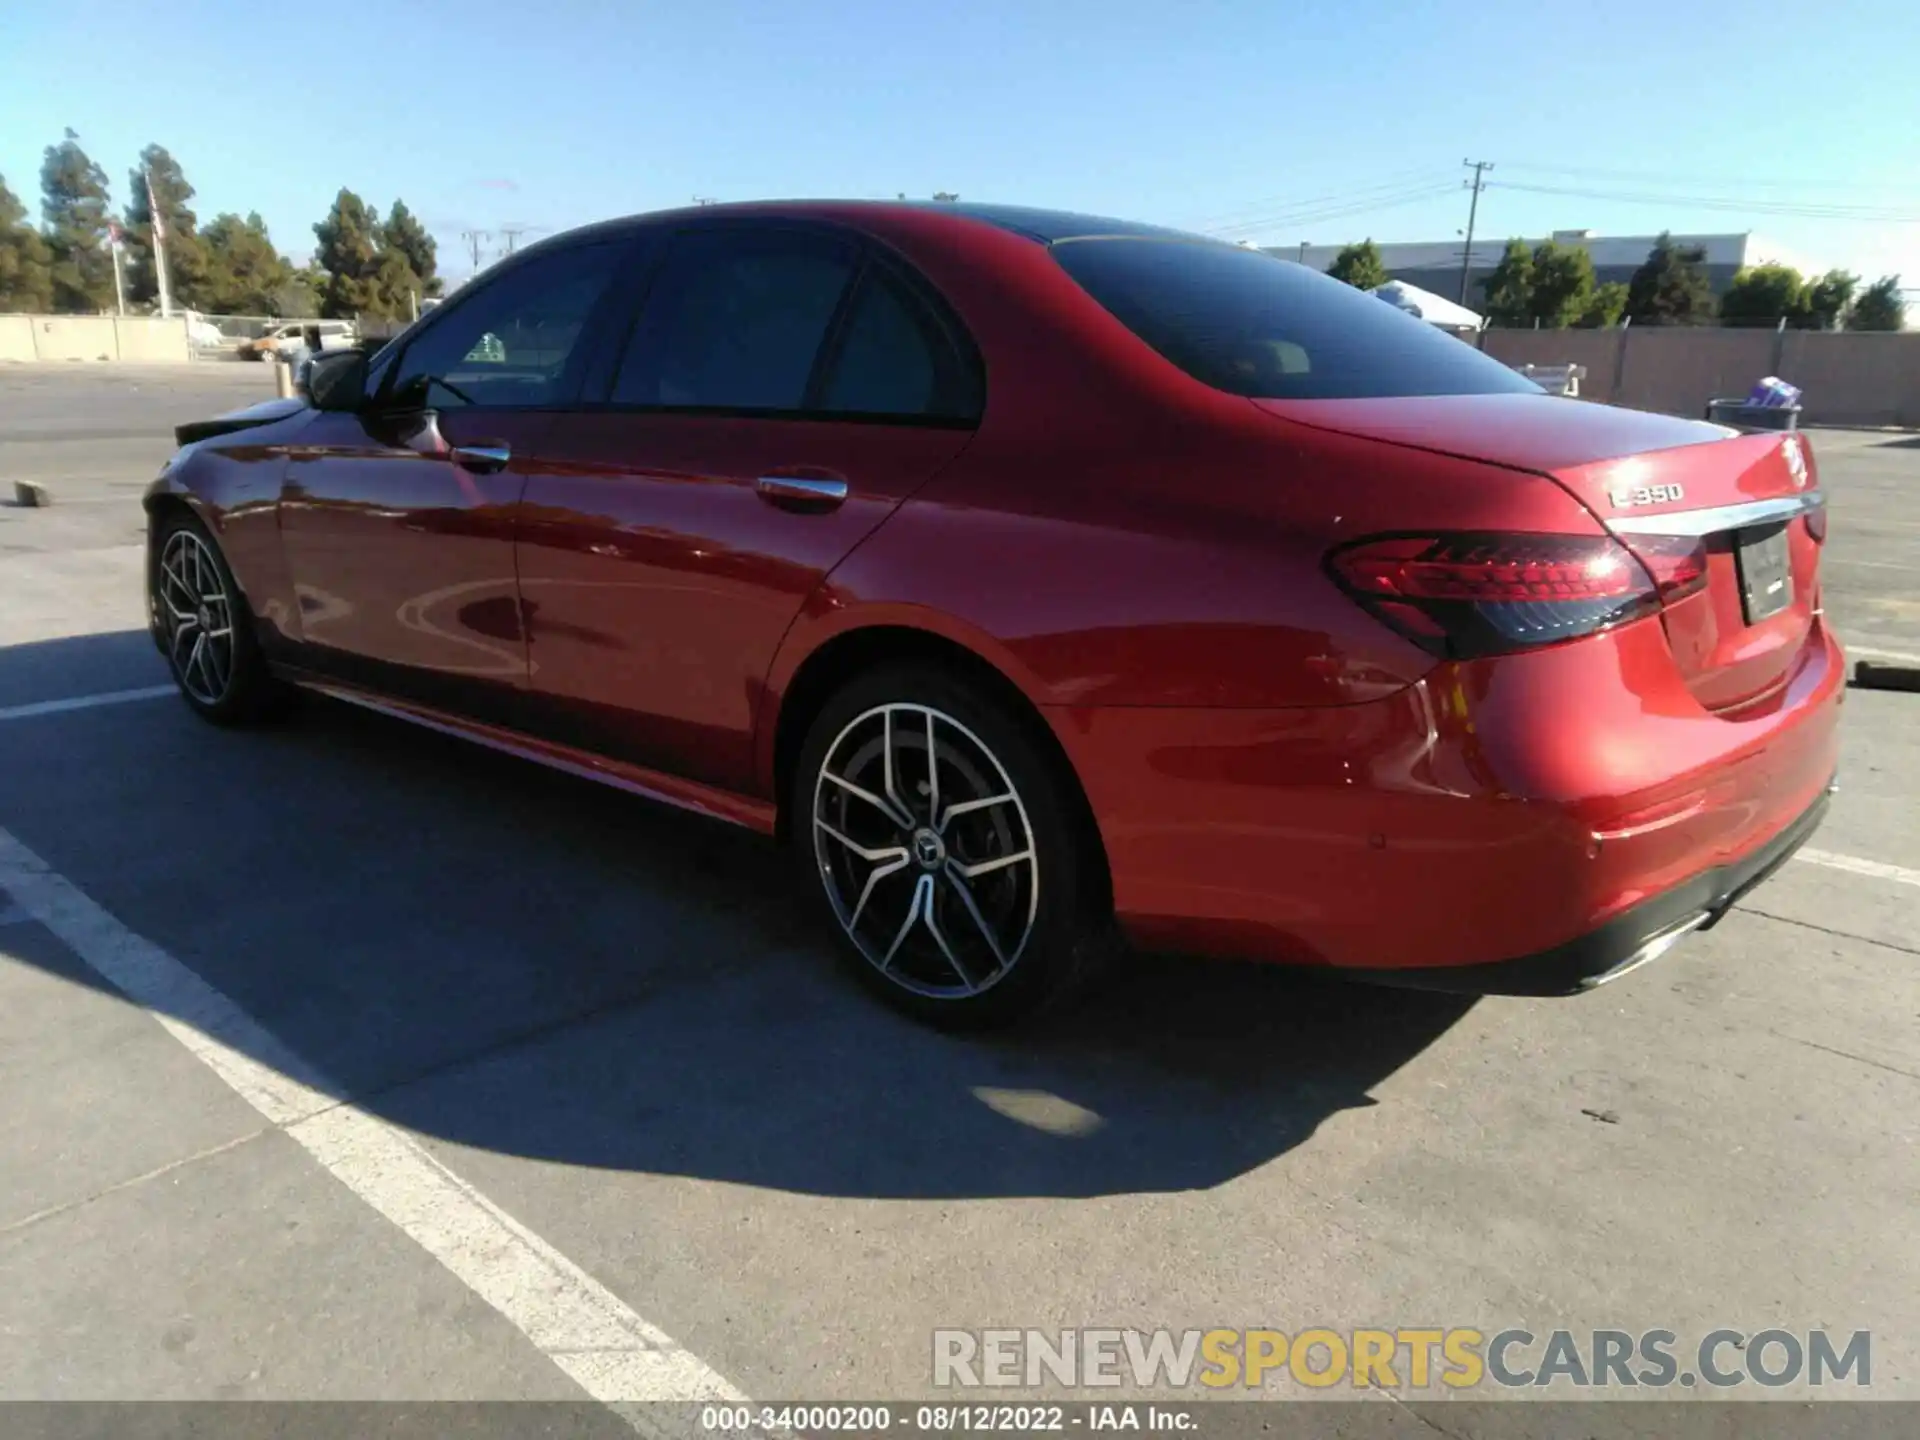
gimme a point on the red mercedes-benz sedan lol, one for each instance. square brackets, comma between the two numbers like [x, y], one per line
[1042, 580]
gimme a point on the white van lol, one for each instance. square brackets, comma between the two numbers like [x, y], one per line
[288, 338]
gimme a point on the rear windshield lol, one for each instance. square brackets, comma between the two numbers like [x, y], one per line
[1251, 324]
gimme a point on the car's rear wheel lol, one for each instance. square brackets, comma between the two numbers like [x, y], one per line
[206, 631]
[946, 850]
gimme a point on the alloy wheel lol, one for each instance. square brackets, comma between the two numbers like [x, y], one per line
[197, 614]
[926, 851]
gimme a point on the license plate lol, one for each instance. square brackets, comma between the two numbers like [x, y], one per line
[1766, 579]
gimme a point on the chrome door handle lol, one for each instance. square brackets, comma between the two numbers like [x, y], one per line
[482, 459]
[801, 490]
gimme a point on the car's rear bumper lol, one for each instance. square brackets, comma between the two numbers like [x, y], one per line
[1568, 806]
[1624, 943]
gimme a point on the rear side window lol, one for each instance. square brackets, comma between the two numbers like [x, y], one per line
[895, 358]
[734, 322]
[1254, 325]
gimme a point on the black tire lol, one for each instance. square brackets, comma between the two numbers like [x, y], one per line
[240, 691]
[1050, 902]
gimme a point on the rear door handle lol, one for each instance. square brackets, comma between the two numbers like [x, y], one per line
[801, 491]
[482, 459]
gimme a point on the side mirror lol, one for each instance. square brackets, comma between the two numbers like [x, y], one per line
[336, 380]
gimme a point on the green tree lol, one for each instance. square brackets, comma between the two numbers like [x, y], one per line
[1509, 289]
[1880, 306]
[1829, 298]
[1604, 306]
[26, 279]
[179, 234]
[1562, 284]
[73, 212]
[406, 235]
[1360, 266]
[395, 286]
[349, 252]
[300, 296]
[1670, 288]
[245, 274]
[1766, 295]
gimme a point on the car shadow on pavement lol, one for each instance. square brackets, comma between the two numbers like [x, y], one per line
[509, 959]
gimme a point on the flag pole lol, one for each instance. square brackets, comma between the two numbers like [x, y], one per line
[159, 247]
[119, 281]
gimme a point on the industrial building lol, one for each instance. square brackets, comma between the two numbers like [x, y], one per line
[1435, 265]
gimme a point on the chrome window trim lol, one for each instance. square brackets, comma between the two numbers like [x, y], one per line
[1717, 518]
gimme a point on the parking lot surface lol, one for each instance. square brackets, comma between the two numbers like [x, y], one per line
[341, 1060]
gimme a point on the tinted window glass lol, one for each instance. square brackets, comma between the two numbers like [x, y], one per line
[512, 341]
[894, 358]
[1255, 325]
[734, 322]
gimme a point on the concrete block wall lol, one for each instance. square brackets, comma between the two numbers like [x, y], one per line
[147, 339]
[1848, 377]
[16, 337]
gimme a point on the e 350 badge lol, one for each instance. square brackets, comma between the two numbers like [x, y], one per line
[1644, 495]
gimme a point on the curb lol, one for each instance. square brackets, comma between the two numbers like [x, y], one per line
[1869, 675]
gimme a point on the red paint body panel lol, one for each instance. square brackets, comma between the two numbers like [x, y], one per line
[1495, 810]
[1273, 771]
[401, 558]
[658, 582]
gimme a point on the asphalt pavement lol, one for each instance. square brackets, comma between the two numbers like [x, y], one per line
[342, 1060]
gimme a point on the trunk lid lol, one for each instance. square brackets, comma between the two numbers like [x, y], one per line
[1729, 525]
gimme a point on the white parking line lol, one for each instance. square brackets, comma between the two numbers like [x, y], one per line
[1854, 865]
[590, 1333]
[85, 702]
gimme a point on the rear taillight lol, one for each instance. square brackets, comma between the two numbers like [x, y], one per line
[1463, 595]
[1816, 516]
[1677, 563]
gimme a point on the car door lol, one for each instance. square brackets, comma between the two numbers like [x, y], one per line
[397, 520]
[782, 390]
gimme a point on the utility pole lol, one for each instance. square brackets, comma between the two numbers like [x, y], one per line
[1477, 184]
[474, 239]
[510, 234]
[1303, 251]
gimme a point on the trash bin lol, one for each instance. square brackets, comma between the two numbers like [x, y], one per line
[1753, 418]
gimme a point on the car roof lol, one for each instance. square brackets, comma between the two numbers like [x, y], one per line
[1049, 226]
[1045, 226]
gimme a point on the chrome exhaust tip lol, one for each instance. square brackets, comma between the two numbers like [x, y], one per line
[1650, 949]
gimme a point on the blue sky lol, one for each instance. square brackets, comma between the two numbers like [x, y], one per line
[1267, 121]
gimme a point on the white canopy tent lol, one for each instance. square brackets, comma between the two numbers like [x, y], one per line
[1425, 305]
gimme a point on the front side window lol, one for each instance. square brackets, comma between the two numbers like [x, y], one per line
[734, 321]
[1255, 325]
[515, 342]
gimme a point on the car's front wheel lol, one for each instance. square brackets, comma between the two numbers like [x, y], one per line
[947, 849]
[205, 629]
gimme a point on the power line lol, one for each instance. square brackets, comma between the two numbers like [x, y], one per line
[1308, 216]
[1321, 204]
[1477, 184]
[1268, 204]
[1804, 210]
[1714, 182]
